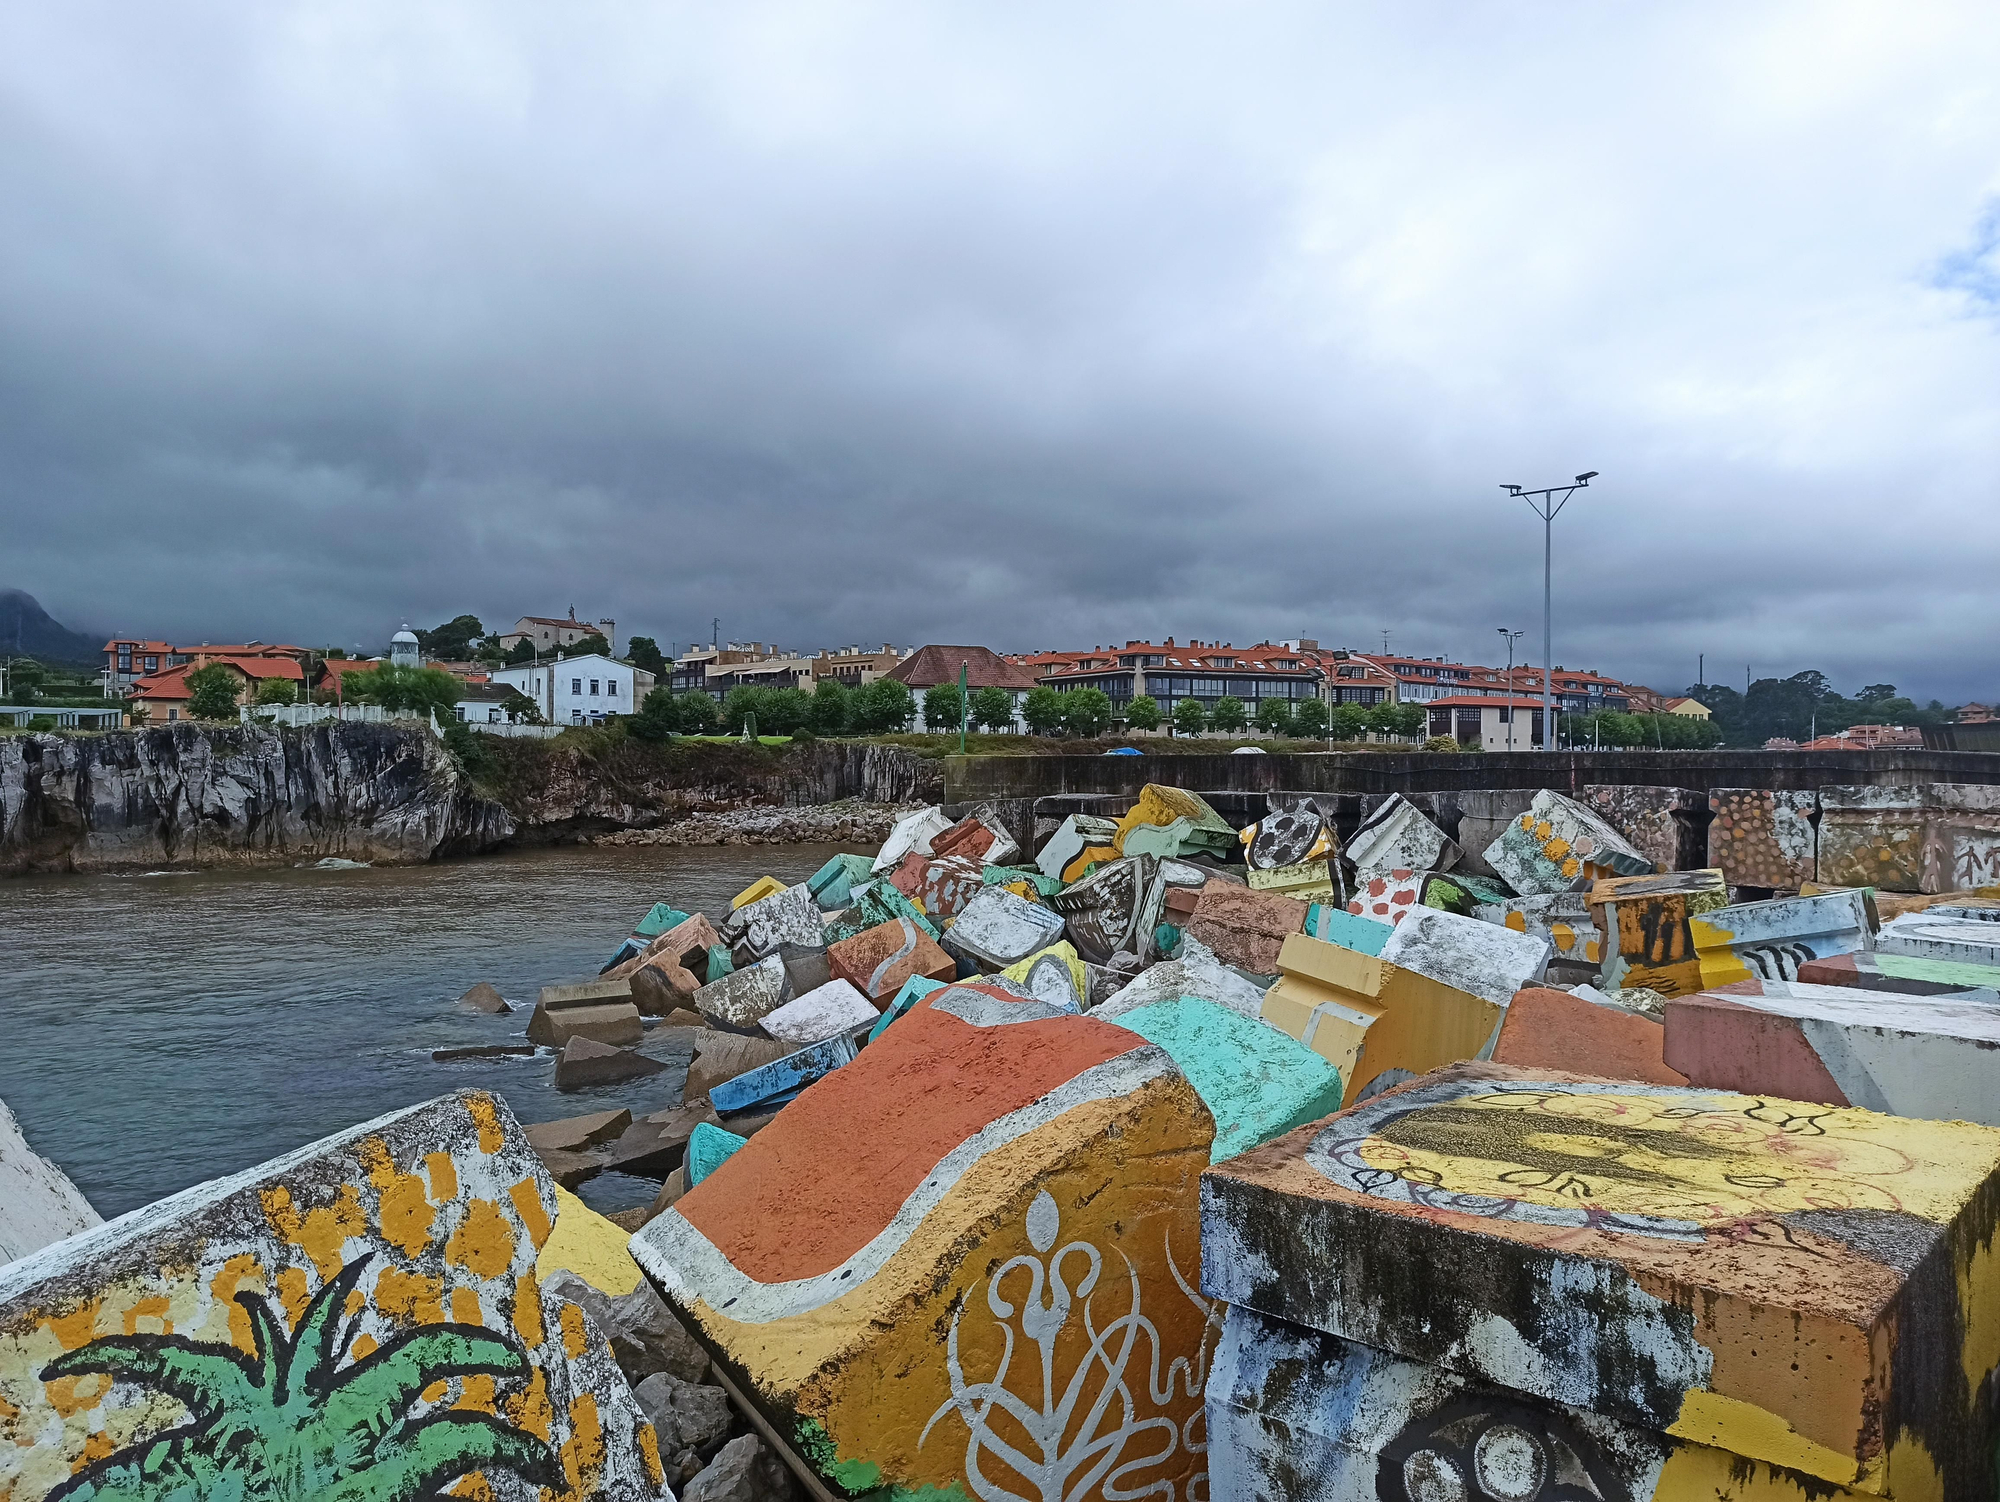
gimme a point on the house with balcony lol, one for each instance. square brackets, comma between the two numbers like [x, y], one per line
[1170, 672]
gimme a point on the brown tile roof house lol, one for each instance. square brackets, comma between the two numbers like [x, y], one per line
[985, 668]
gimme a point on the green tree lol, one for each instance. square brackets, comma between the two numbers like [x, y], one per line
[696, 713]
[523, 710]
[882, 706]
[1228, 714]
[831, 710]
[212, 691]
[1190, 718]
[522, 651]
[1274, 716]
[1043, 710]
[299, 1418]
[1349, 721]
[658, 716]
[943, 704]
[740, 705]
[993, 707]
[25, 678]
[586, 645]
[415, 692]
[1143, 713]
[1086, 712]
[453, 640]
[786, 712]
[1309, 718]
[277, 691]
[644, 652]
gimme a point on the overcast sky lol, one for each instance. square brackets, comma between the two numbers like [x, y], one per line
[1030, 325]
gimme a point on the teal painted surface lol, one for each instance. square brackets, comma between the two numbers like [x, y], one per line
[659, 920]
[882, 903]
[1256, 1082]
[1336, 925]
[719, 962]
[833, 884]
[1945, 972]
[709, 1147]
[915, 989]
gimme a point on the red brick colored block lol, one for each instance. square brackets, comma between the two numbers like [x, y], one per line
[878, 960]
[1245, 928]
[1550, 1029]
[1725, 1045]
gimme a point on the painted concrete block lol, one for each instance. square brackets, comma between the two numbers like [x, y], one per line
[977, 838]
[601, 990]
[1557, 842]
[1297, 1413]
[615, 1022]
[1928, 837]
[1162, 805]
[1969, 941]
[1398, 836]
[997, 929]
[1645, 923]
[1667, 825]
[743, 998]
[882, 903]
[948, 884]
[1565, 919]
[1763, 838]
[1169, 841]
[1387, 896]
[1772, 940]
[827, 1012]
[914, 990]
[1061, 853]
[1366, 1015]
[907, 875]
[1117, 908]
[1800, 1285]
[720, 1056]
[1054, 975]
[709, 1147]
[658, 919]
[788, 916]
[1549, 1029]
[1245, 928]
[1309, 881]
[878, 960]
[1455, 892]
[833, 884]
[1902, 973]
[1336, 925]
[38, 1203]
[679, 956]
[1467, 955]
[911, 832]
[1194, 971]
[1483, 816]
[1295, 831]
[995, 1296]
[360, 1318]
[757, 891]
[1926, 1056]
[1256, 1082]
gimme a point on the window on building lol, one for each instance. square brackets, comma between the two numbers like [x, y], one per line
[576, 685]
[611, 688]
[173, 714]
[593, 688]
[459, 710]
[493, 716]
[152, 664]
[124, 662]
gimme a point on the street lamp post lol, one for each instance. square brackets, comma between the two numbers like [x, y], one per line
[1512, 637]
[1546, 503]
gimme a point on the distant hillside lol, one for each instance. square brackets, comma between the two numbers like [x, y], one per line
[27, 630]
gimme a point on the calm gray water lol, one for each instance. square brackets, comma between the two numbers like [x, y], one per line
[163, 1029]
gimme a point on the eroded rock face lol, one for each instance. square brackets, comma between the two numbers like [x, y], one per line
[250, 794]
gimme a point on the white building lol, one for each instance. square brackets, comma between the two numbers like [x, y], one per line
[579, 690]
[1495, 722]
[403, 650]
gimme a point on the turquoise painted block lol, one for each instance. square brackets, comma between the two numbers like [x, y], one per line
[783, 1078]
[1256, 1082]
[659, 920]
[1337, 925]
[1000, 876]
[832, 885]
[719, 962]
[882, 903]
[708, 1149]
[915, 989]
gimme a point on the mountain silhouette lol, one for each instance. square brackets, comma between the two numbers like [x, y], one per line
[27, 630]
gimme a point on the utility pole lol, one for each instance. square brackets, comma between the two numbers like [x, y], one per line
[715, 632]
[1512, 637]
[1547, 503]
[1701, 669]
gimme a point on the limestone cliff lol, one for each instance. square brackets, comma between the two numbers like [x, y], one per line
[186, 795]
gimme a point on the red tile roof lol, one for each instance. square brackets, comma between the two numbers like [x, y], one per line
[985, 668]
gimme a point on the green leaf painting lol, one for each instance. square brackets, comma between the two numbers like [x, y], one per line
[292, 1425]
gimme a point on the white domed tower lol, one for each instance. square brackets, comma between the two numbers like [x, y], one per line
[403, 651]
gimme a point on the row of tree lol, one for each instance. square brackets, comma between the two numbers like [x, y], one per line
[1806, 705]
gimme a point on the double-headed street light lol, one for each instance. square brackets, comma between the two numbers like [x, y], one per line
[1512, 637]
[1546, 503]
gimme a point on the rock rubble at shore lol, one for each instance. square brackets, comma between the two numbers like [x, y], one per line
[1140, 1153]
[848, 821]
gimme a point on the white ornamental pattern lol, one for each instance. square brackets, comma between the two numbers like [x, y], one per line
[1089, 1428]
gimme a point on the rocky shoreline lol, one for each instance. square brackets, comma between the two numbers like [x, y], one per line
[847, 820]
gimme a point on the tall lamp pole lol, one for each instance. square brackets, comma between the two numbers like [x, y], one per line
[1546, 503]
[1512, 637]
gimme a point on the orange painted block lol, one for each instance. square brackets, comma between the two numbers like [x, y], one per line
[878, 960]
[1549, 1029]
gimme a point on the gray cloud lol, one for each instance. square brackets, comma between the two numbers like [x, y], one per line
[1034, 326]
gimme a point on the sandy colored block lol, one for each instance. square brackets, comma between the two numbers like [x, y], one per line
[38, 1203]
[1484, 959]
[1646, 919]
[1772, 940]
[1245, 928]
[1294, 1412]
[366, 1309]
[574, 1133]
[743, 998]
[724, 1056]
[1927, 1056]
[757, 891]
[834, 1008]
[1364, 1015]
[1667, 825]
[1556, 842]
[1795, 1284]
[1902, 972]
[998, 928]
[616, 1023]
[1256, 1082]
[878, 960]
[1763, 838]
[1054, 975]
[1548, 1029]
[882, 1317]
[679, 957]
[585, 1062]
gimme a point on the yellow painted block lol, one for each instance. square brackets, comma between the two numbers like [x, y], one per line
[1364, 1015]
[1163, 805]
[1096, 855]
[1309, 881]
[757, 891]
[585, 1243]
[1063, 954]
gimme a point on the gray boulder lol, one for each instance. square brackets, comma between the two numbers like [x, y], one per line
[684, 1415]
[744, 1470]
[645, 1337]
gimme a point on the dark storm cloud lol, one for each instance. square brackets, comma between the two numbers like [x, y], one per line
[1032, 326]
